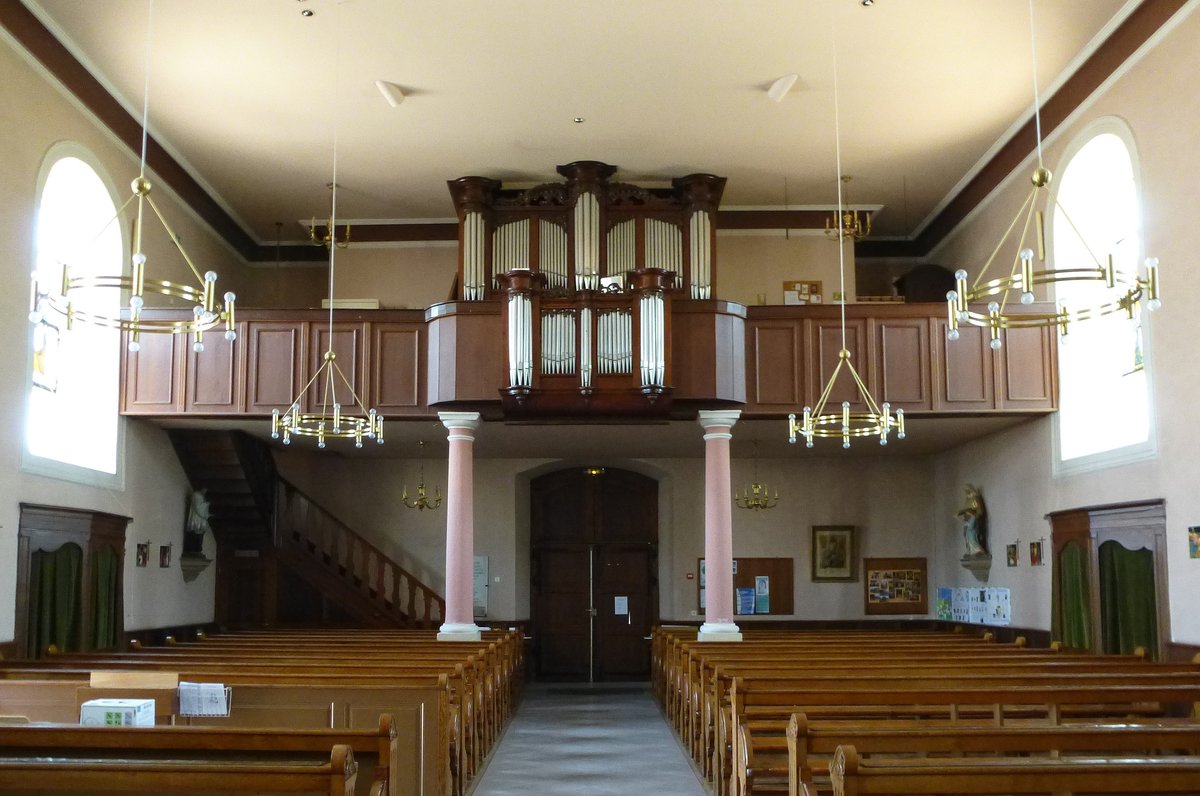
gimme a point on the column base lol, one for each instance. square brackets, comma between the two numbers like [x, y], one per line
[459, 632]
[719, 631]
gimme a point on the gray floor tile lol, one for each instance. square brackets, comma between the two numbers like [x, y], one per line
[568, 740]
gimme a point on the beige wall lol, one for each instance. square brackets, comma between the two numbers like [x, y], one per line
[1156, 98]
[750, 267]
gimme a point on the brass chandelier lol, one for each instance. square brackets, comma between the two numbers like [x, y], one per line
[62, 297]
[847, 223]
[757, 496]
[329, 421]
[1124, 290]
[875, 420]
[422, 501]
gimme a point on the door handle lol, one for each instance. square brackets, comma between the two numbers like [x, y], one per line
[591, 611]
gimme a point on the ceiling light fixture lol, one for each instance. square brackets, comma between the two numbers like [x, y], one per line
[422, 501]
[329, 421]
[391, 92]
[875, 421]
[757, 496]
[66, 296]
[847, 223]
[1123, 291]
[782, 86]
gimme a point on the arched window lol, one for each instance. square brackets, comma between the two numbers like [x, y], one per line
[72, 428]
[1104, 413]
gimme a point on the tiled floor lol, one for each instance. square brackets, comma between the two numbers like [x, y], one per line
[567, 740]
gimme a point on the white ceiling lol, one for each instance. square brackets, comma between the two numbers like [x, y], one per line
[249, 95]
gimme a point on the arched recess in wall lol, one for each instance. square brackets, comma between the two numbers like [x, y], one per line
[593, 573]
[74, 372]
[1103, 373]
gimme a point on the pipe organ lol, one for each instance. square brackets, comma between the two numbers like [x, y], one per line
[587, 269]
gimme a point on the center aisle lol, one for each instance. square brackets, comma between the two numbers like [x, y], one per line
[601, 740]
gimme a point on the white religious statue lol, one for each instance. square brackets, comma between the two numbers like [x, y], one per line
[974, 523]
[198, 511]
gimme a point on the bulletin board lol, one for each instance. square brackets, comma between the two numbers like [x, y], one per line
[747, 574]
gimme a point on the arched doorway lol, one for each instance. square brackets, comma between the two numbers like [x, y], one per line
[594, 572]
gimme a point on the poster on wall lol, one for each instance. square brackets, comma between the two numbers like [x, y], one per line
[762, 594]
[479, 585]
[959, 610]
[976, 606]
[999, 606]
[945, 603]
[745, 600]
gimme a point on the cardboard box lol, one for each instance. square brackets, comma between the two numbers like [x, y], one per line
[117, 712]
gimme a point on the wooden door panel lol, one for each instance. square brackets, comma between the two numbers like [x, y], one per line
[348, 344]
[1027, 369]
[622, 651]
[275, 357]
[214, 375]
[825, 338]
[150, 375]
[966, 374]
[561, 506]
[774, 360]
[397, 369]
[561, 603]
[902, 373]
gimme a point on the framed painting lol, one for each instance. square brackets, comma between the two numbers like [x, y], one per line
[895, 586]
[834, 554]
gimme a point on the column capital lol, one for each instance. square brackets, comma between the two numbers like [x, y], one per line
[467, 420]
[718, 418]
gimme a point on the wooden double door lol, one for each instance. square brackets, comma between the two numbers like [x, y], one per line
[594, 548]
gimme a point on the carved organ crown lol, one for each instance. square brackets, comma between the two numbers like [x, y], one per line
[587, 269]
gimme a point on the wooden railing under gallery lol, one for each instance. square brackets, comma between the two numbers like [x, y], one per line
[308, 530]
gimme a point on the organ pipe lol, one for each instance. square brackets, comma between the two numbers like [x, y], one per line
[701, 259]
[587, 242]
[585, 349]
[474, 257]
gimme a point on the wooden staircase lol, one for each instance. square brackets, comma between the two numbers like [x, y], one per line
[257, 515]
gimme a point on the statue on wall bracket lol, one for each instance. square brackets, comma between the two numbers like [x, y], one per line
[973, 517]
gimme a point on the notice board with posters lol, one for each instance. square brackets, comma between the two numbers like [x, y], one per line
[778, 599]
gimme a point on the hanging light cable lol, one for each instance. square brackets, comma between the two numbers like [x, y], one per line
[329, 421]
[65, 296]
[1122, 290]
[875, 420]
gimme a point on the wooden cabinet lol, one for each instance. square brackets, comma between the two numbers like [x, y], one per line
[1027, 370]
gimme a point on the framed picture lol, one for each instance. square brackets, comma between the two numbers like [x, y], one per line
[895, 586]
[1035, 554]
[164, 555]
[143, 554]
[1013, 554]
[834, 554]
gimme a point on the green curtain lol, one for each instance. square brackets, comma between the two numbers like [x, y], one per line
[1074, 597]
[54, 599]
[1128, 612]
[104, 605]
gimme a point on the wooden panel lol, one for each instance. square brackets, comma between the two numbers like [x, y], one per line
[1027, 369]
[902, 363]
[466, 352]
[349, 346]
[824, 339]
[397, 368]
[561, 605]
[214, 376]
[966, 377]
[627, 572]
[152, 375]
[708, 351]
[274, 356]
[773, 368]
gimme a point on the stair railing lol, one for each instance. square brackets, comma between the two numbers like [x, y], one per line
[303, 525]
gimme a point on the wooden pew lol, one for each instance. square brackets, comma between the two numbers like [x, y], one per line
[376, 751]
[810, 744]
[72, 774]
[852, 775]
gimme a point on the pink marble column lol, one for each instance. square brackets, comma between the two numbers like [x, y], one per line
[718, 528]
[460, 528]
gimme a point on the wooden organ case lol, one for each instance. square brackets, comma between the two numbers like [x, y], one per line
[587, 270]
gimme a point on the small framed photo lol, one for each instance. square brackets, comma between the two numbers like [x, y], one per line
[143, 554]
[1194, 541]
[834, 554]
[164, 556]
[895, 586]
[1013, 552]
[1035, 554]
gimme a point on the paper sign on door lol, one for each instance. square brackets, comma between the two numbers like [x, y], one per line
[620, 605]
